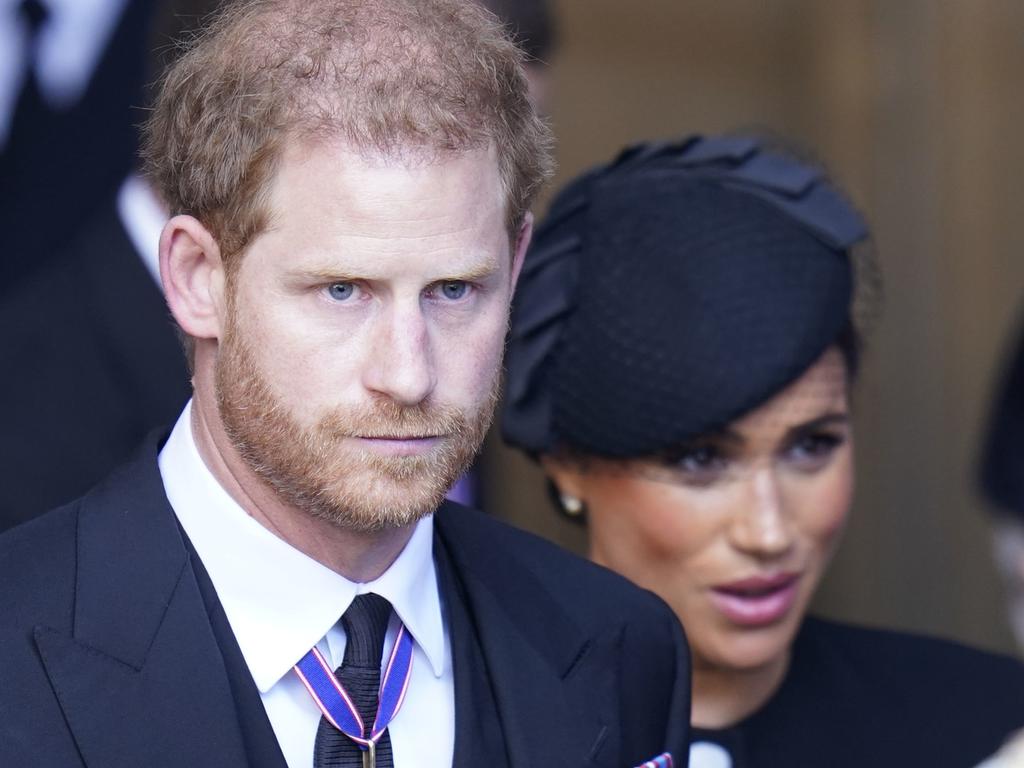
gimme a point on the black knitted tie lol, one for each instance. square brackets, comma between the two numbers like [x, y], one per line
[365, 623]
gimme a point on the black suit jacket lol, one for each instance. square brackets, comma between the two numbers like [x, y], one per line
[91, 365]
[109, 658]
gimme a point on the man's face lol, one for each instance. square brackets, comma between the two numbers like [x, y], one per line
[358, 367]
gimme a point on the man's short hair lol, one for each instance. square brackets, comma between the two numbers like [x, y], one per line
[402, 78]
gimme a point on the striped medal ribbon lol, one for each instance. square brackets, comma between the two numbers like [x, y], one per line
[664, 760]
[337, 706]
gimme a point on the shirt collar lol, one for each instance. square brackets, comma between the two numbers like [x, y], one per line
[279, 601]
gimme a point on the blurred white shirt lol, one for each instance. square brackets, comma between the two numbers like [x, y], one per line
[143, 218]
[71, 44]
[1010, 756]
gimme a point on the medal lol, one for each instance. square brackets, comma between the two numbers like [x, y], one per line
[336, 705]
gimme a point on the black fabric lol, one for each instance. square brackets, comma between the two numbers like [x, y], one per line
[479, 739]
[855, 697]
[696, 303]
[91, 364]
[109, 656]
[365, 623]
[57, 167]
[620, 662]
[29, 107]
[261, 747]
[670, 292]
[110, 659]
[1002, 461]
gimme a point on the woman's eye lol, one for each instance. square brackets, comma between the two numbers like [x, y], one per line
[697, 465]
[341, 291]
[700, 458]
[814, 450]
[453, 290]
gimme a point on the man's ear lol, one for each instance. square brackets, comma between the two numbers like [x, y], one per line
[522, 243]
[192, 274]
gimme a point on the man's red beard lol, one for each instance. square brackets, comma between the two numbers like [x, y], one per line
[322, 471]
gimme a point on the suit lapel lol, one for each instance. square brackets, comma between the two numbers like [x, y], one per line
[555, 686]
[140, 680]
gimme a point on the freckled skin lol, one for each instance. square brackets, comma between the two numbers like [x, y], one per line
[394, 230]
[773, 507]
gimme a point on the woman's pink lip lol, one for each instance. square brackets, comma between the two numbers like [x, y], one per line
[758, 600]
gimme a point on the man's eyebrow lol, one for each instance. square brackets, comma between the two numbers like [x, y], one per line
[478, 270]
[325, 274]
[483, 268]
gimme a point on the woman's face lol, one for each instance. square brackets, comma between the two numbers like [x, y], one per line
[735, 529]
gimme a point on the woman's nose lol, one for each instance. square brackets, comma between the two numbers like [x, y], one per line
[762, 528]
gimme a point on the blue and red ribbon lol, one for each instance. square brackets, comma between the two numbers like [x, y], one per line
[663, 760]
[337, 706]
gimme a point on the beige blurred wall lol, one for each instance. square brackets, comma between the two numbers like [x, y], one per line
[916, 105]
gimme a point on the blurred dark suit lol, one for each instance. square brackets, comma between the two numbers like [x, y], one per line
[58, 166]
[90, 365]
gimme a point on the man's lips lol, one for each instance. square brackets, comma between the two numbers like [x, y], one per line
[757, 600]
[399, 445]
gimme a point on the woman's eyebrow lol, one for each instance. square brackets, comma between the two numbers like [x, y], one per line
[825, 420]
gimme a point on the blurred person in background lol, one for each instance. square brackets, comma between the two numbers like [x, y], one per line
[1002, 483]
[1002, 486]
[685, 335]
[93, 360]
[71, 83]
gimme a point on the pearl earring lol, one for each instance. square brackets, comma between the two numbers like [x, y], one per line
[572, 506]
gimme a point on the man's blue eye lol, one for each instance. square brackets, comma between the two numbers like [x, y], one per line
[454, 289]
[341, 291]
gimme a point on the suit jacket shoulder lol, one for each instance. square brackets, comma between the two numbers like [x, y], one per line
[573, 613]
[37, 577]
[109, 657]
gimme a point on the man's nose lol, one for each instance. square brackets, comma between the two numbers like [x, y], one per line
[400, 362]
[762, 527]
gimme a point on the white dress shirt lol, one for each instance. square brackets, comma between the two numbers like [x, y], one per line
[71, 44]
[280, 603]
